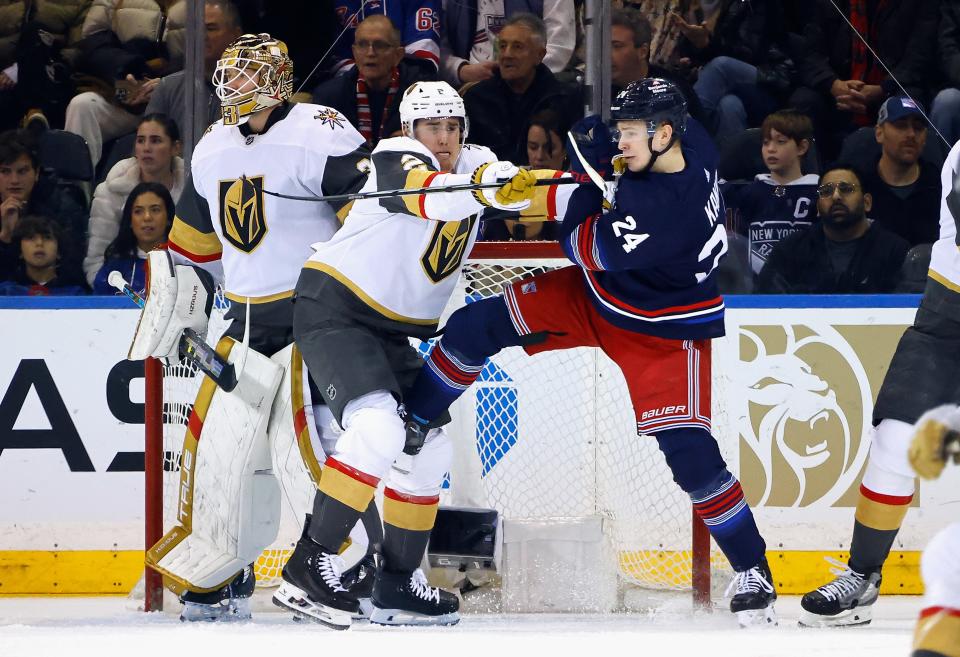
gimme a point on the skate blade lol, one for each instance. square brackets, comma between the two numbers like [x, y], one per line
[849, 618]
[401, 617]
[294, 599]
[366, 608]
[235, 612]
[752, 618]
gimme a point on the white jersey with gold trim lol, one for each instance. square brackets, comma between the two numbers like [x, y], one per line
[402, 255]
[263, 240]
[945, 258]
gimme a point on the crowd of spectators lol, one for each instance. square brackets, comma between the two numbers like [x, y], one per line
[830, 159]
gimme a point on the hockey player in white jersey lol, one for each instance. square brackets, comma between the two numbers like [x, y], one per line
[229, 231]
[383, 278]
[922, 375]
[936, 441]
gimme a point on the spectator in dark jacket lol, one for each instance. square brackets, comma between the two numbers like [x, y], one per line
[23, 191]
[905, 189]
[500, 108]
[37, 273]
[945, 110]
[745, 68]
[369, 94]
[845, 253]
[843, 84]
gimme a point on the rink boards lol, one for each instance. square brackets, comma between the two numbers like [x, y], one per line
[794, 382]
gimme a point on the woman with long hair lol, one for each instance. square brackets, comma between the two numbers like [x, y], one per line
[144, 225]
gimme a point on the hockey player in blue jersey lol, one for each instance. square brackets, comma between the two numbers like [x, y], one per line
[643, 290]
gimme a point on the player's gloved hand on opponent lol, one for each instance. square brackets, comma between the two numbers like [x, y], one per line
[179, 297]
[936, 439]
[516, 190]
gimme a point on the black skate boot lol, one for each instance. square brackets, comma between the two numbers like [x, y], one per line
[753, 596]
[847, 600]
[359, 581]
[407, 599]
[227, 604]
[312, 588]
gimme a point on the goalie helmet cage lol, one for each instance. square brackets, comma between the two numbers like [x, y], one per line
[554, 439]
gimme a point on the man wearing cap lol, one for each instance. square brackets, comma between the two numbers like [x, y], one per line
[905, 189]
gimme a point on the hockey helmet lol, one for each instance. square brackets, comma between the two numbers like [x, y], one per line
[654, 100]
[432, 100]
[254, 73]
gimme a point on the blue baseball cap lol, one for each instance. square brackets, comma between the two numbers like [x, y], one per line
[898, 107]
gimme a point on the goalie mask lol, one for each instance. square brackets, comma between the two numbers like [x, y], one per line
[432, 100]
[254, 73]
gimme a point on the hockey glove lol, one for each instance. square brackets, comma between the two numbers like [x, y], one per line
[516, 188]
[178, 297]
[595, 145]
[936, 438]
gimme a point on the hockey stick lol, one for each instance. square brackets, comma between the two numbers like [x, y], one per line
[192, 346]
[467, 187]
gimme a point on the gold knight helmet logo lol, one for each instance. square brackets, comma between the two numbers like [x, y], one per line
[447, 248]
[241, 212]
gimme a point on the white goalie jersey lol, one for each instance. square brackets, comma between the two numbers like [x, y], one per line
[402, 255]
[225, 216]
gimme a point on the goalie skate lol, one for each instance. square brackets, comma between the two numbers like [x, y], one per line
[228, 604]
[359, 581]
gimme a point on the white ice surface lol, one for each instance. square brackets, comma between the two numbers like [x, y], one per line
[108, 627]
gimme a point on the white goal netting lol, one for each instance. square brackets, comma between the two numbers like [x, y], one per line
[542, 439]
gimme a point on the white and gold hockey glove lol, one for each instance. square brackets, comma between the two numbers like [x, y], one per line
[178, 297]
[936, 439]
[516, 190]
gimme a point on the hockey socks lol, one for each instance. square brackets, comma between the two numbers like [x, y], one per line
[343, 494]
[472, 334]
[408, 520]
[727, 515]
[878, 519]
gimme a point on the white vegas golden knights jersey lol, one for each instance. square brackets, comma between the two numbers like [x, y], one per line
[945, 259]
[261, 240]
[402, 255]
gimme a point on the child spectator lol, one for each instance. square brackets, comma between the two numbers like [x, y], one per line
[782, 202]
[145, 224]
[156, 159]
[39, 241]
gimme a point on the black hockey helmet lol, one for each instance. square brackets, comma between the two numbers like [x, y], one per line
[652, 99]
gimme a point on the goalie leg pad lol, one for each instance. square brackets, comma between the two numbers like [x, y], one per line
[178, 297]
[229, 499]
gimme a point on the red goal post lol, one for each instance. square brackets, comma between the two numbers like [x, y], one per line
[539, 454]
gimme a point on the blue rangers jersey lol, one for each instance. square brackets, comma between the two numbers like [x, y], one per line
[417, 20]
[766, 212]
[649, 260]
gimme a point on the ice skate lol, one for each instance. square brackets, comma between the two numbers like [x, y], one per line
[312, 588]
[753, 596]
[359, 581]
[847, 600]
[407, 599]
[228, 604]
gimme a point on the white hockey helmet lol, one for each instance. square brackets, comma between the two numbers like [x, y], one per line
[262, 66]
[432, 100]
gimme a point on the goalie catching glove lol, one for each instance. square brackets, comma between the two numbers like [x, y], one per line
[936, 438]
[178, 297]
[519, 186]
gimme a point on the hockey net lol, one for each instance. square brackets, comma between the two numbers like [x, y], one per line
[546, 439]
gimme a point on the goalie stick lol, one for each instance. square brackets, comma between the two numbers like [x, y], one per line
[466, 187]
[192, 346]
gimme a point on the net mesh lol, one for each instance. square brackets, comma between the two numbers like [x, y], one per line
[542, 437]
